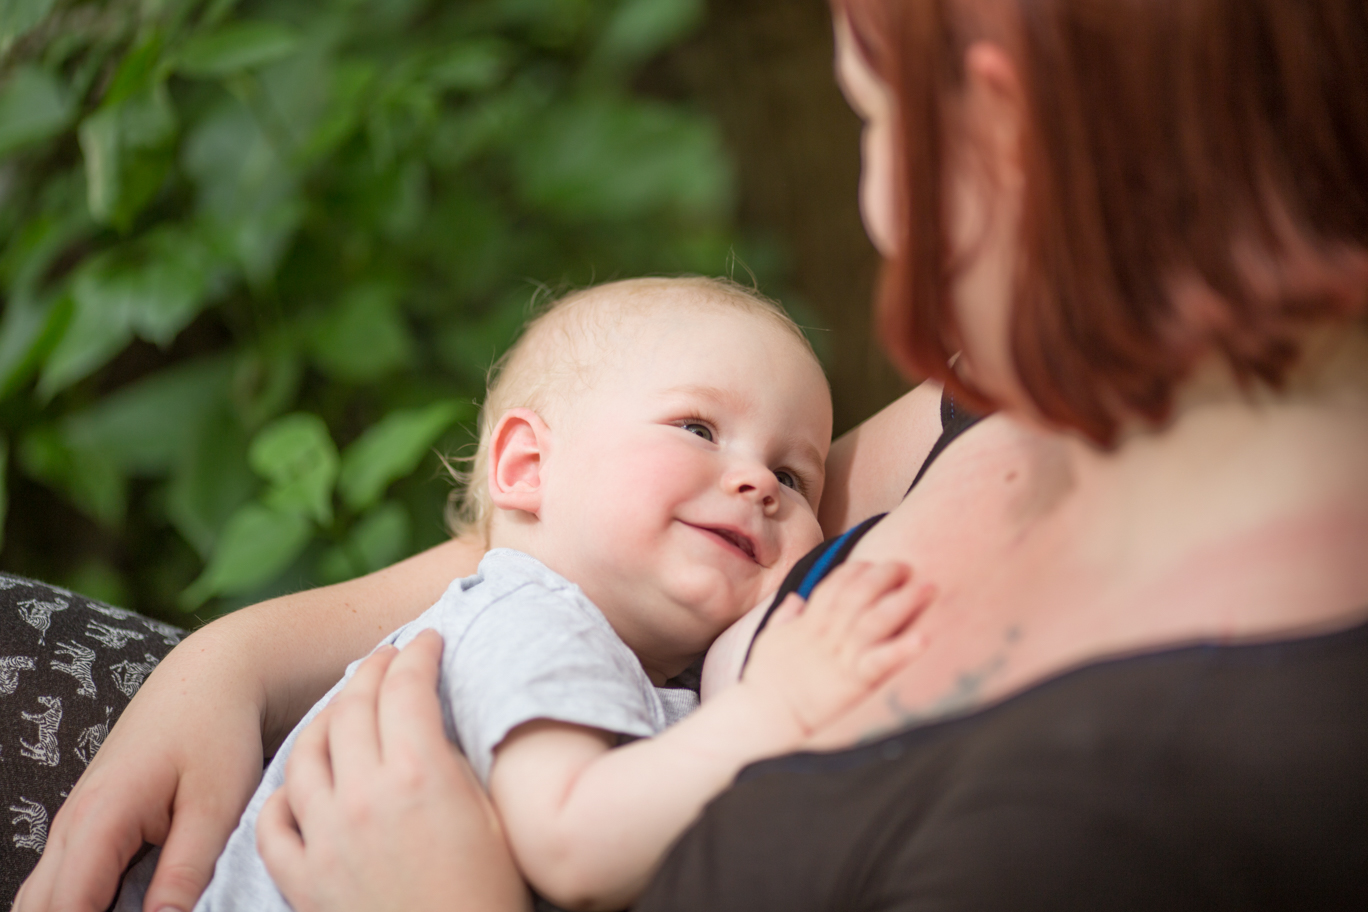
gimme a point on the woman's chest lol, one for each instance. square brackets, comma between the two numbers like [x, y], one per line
[1035, 574]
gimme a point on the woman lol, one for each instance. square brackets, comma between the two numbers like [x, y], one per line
[1144, 227]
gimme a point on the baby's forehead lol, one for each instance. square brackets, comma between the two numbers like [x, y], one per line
[606, 326]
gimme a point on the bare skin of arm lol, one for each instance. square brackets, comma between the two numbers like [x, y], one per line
[870, 466]
[184, 758]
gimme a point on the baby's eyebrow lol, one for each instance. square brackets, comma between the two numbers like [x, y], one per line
[740, 401]
[813, 456]
[718, 394]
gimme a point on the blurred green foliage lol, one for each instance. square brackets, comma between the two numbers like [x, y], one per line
[258, 255]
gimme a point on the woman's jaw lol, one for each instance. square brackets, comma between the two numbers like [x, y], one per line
[985, 200]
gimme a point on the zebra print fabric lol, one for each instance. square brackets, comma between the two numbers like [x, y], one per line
[68, 667]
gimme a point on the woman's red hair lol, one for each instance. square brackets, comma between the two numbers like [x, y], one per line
[1196, 177]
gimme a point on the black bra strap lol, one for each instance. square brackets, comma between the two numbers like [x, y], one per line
[817, 563]
[955, 420]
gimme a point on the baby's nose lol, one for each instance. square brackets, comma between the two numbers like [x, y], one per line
[757, 490]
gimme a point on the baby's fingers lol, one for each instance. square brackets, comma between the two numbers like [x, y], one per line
[891, 614]
[879, 662]
[853, 588]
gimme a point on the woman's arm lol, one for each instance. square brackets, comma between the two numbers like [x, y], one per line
[185, 756]
[871, 466]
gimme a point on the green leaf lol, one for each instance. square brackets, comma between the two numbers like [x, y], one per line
[246, 191]
[18, 16]
[379, 539]
[351, 80]
[297, 456]
[641, 29]
[4, 487]
[210, 480]
[152, 287]
[364, 337]
[381, 536]
[30, 253]
[138, 71]
[472, 66]
[99, 137]
[265, 381]
[257, 544]
[392, 449]
[96, 579]
[149, 426]
[236, 47]
[88, 478]
[33, 107]
[93, 336]
[126, 146]
[28, 333]
[603, 159]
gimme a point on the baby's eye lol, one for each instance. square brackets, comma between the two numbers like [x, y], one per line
[702, 430]
[787, 479]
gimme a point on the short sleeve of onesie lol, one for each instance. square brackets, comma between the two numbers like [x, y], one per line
[523, 643]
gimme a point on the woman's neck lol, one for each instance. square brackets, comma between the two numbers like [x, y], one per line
[1239, 472]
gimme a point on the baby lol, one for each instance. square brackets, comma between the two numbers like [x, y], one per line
[652, 452]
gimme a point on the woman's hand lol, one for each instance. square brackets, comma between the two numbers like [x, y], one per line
[379, 811]
[176, 771]
[185, 756]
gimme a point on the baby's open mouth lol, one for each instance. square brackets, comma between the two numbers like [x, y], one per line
[736, 539]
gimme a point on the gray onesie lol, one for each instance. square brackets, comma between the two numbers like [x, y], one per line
[520, 643]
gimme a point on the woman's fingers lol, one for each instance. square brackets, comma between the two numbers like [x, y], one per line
[353, 718]
[415, 833]
[308, 773]
[82, 861]
[174, 779]
[282, 847]
[409, 693]
[200, 828]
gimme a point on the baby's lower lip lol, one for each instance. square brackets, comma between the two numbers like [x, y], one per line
[725, 542]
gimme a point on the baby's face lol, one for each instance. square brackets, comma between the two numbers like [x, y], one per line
[684, 485]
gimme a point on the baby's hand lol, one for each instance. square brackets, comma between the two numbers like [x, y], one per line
[819, 657]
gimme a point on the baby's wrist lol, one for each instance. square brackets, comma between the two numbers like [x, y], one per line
[771, 711]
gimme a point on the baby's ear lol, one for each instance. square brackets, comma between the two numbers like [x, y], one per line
[516, 449]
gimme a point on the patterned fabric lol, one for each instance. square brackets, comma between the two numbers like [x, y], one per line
[68, 667]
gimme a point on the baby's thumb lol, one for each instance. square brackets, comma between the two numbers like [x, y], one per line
[788, 609]
[187, 859]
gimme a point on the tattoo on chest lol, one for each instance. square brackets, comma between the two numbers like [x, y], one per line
[963, 694]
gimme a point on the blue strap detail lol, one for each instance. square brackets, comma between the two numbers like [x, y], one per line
[824, 563]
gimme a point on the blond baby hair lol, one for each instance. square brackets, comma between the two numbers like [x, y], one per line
[554, 357]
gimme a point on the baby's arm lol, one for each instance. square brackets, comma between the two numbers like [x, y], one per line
[588, 824]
